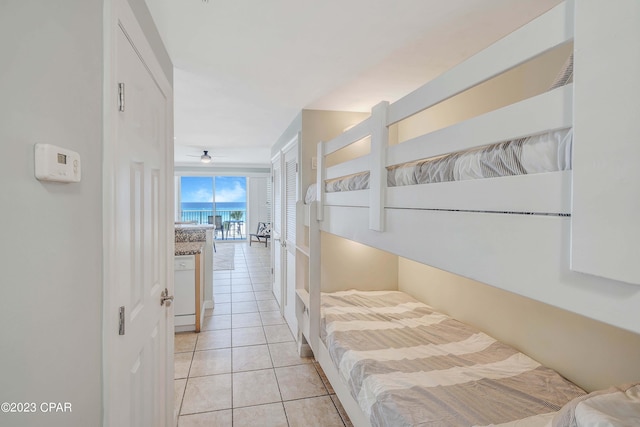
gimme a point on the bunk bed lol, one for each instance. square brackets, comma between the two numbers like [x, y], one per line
[551, 231]
[577, 225]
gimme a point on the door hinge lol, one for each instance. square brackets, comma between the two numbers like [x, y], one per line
[121, 322]
[121, 97]
[271, 270]
[296, 168]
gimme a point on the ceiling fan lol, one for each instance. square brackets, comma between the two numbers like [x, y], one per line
[205, 157]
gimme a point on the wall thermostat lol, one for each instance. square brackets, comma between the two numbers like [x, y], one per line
[56, 164]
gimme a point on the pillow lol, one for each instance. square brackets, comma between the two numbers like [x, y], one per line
[617, 406]
[264, 229]
[311, 194]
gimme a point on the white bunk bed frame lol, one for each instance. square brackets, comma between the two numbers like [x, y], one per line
[553, 237]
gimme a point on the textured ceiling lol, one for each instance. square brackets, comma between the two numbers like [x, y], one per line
[244, 69]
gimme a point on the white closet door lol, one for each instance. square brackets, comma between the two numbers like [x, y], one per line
[291, 197]
[138, 329]
[276, 231]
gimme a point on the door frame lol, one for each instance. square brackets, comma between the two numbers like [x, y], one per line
[276, 243]
[291, 149]
[116, 13]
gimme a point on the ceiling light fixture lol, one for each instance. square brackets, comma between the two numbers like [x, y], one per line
[205, 158]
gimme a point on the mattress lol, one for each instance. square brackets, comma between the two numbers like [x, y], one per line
[358, 181]
[407, 365]
[547, 152]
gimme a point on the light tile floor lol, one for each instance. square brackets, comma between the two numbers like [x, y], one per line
[243, 368]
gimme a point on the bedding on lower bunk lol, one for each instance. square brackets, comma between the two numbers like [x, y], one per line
[407, 365]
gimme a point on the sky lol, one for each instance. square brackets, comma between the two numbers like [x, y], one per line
[200, 189]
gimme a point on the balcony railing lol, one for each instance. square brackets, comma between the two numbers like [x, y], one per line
[234, 227]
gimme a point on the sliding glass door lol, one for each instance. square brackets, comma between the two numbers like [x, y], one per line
[219, 200]
[231, 205]
[196, 199]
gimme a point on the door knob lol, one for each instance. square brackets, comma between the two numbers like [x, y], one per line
[165, 298]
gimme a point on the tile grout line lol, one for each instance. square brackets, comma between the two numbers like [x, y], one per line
[232, 344]
[270, 355]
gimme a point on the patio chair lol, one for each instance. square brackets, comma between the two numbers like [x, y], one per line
[217, 221]
[218, 226]
[263, 232]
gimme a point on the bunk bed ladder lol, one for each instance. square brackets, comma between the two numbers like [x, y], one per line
[314, 277]
[378, 160]
[321, 176]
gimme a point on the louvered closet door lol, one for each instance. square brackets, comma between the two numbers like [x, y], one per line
[291, 197]
[269, 201]
[276, 231]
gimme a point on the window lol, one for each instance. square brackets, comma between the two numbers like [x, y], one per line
[196, 198]
[201, 197]
[231, 204]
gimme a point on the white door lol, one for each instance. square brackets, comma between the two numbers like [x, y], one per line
[290, 200]
[138, 354]
[276, 229]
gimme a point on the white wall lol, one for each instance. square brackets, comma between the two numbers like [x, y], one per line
[350, 265]
[259, 205]
[319, 126]
[51, 252]
[51, 67]
[527, 80]
[589, 353]
[294, 127]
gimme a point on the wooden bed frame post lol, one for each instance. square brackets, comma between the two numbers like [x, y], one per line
[314, 278]
[377, 177]
[321, 176]
[605, 231]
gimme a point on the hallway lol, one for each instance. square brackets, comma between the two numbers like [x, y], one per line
[243, 368]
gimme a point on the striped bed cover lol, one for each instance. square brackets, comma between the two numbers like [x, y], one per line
[407, 365]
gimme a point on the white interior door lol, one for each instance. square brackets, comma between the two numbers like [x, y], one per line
[291, 197]
[276, 229]
[138, 357]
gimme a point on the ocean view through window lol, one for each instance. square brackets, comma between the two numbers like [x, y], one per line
[204, 198]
